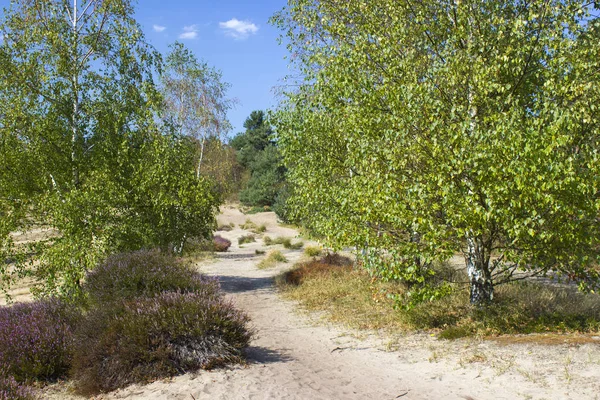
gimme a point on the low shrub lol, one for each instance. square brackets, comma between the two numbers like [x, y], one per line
[145, 339]
[259, 252]
[272, 259]
[313, 251]
[36, 339]
[268, 240]
[10, 389]
[221, 244]
[246, 239]
[144, 273]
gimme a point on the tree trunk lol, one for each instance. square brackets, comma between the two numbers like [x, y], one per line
[480, 279]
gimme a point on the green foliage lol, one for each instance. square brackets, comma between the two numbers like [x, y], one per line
[256, 138]
[447, 127]
[82, 154]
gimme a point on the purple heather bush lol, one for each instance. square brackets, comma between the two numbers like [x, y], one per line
[221, 244]
[144, 273]
[10, 389]
[148, 338]
[36, 339]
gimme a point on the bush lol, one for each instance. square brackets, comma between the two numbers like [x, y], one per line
[36, 339]
[246, 239]
[248, 225]
[10, 389]
[268, 240]
[221, 244]
[144, 273]
[149, 338]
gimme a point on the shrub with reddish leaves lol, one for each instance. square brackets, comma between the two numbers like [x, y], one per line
[147, 338]
[221, 244]
[36, 339]
[144, 273]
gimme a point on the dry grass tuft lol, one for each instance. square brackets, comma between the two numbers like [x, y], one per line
[272, 259]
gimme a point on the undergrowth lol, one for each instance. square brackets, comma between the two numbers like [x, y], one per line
[352, 297]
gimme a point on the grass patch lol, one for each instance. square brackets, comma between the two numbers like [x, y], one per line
[259, 252]
[248, 225]
[260, 229]
[352, 297]
[285, 241]
[246, 239]
[313, 251]
[272, 259]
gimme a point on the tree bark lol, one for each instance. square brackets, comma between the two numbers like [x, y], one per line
[480, 278]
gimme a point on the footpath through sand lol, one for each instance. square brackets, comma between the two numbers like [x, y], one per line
[294, 357]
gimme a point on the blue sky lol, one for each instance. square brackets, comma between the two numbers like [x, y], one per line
[231, 35]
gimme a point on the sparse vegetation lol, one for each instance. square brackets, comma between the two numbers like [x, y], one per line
[248, 225]
[246, 239]
[285, 241]
[272, 259]
[313, 251]
[354, 298]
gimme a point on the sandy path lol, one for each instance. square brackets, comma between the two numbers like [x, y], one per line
[295, 358]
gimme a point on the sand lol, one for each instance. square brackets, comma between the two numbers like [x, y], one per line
[296, 355]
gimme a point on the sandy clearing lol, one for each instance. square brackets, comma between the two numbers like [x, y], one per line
[297, 356]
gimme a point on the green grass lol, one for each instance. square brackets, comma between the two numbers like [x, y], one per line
[272, 259]
[353, 298]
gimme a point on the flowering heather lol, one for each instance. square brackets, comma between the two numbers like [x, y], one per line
[36, 339]
[144, 273]
[10, 389]
[221, 244]
[148, 338]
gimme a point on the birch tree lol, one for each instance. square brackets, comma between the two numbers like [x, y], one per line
[425, 129]
[81, 156]
[196, 101]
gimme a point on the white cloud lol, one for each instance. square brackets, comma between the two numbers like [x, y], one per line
[189, 32]
[238, 29]
[158, 28]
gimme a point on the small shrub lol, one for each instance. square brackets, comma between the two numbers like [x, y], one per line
[246, 239]
[195, 246]
[267, 240]
[144, 339]
[308, 270]
[221, 244]
[337, 259]
[143, 273]
[272, 259]
[36, 339]
[313, 251]
[10, 389]
[259, 252]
